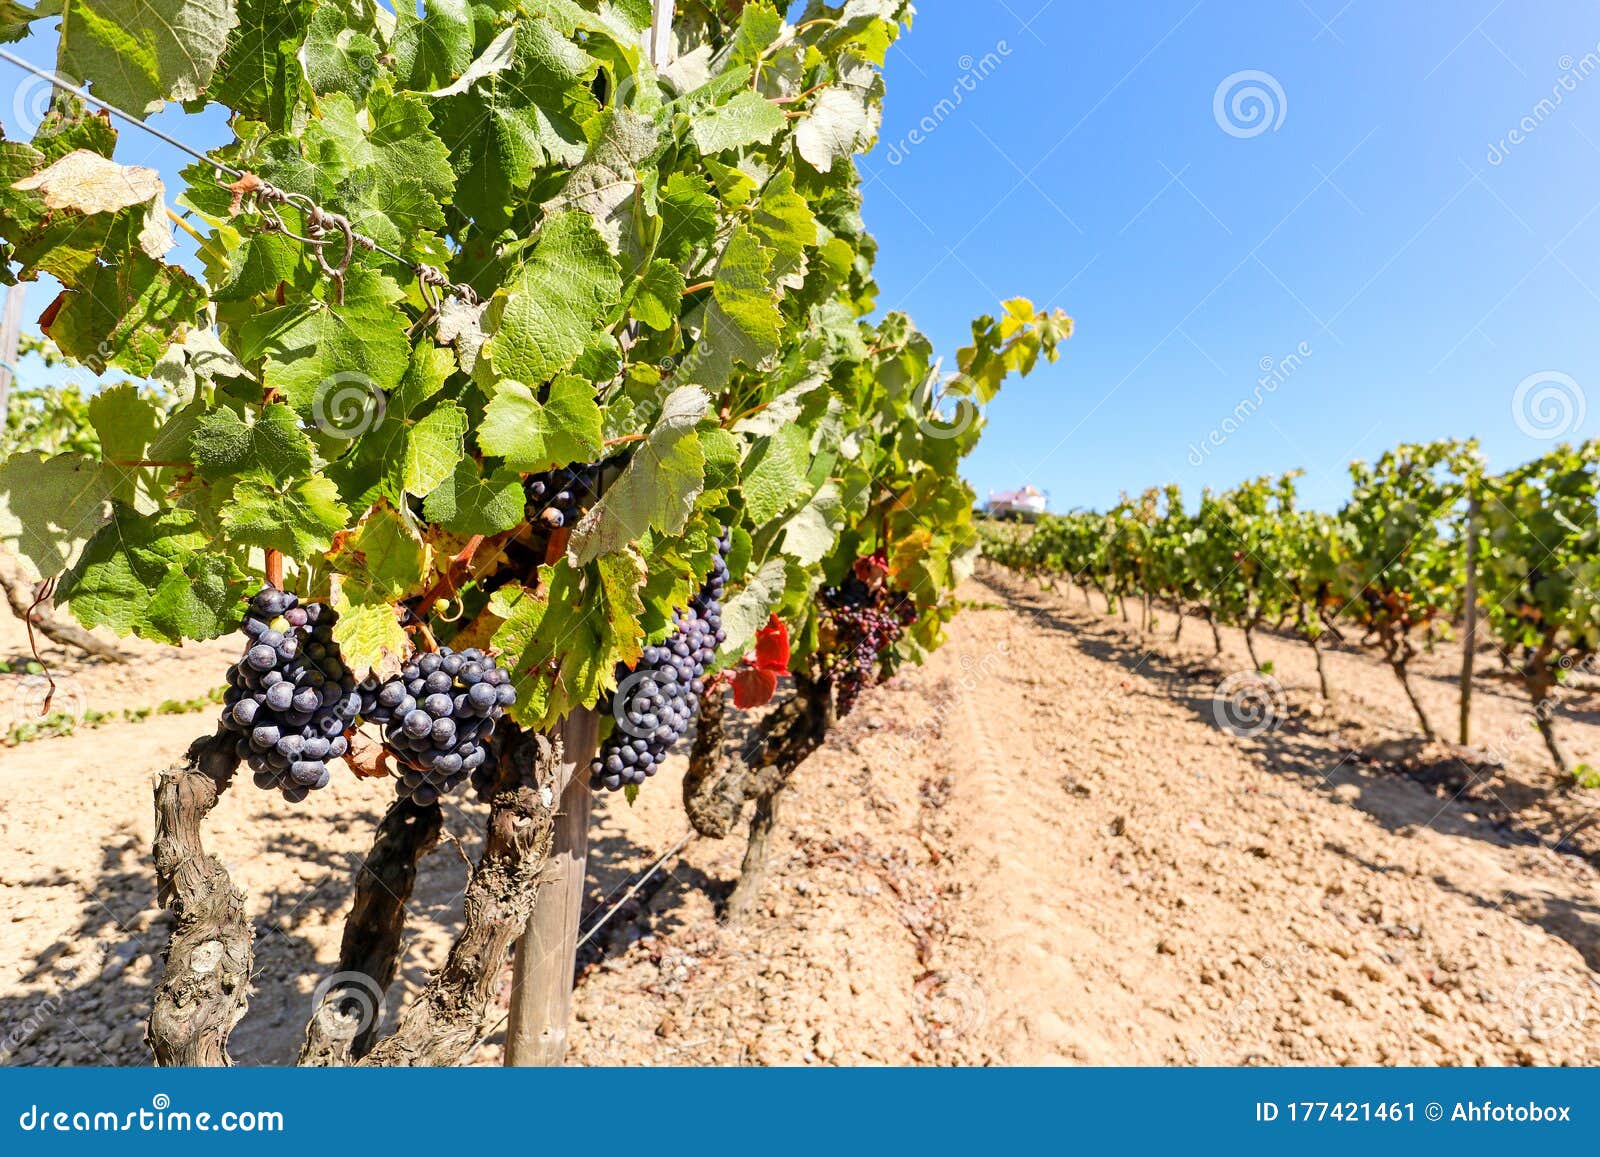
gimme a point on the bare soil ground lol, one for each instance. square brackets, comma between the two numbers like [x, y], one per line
[1040, 848]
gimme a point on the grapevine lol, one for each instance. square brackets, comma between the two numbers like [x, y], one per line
[524, 352]
[865, 618]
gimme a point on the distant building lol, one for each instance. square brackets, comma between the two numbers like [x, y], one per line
[1026, 504]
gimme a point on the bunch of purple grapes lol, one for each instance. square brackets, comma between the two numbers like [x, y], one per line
[290, 697]
[438, 715]
[558, 498]
[658, 697]
[866, 620]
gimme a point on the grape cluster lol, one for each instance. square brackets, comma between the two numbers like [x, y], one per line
[289, 697]
[557, 498]
[438, 715]
[866, 620]
[658, 697]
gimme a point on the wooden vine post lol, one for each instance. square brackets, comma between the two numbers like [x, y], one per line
[546, 956]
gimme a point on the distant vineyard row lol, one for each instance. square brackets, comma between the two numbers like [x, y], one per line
[1429, 540]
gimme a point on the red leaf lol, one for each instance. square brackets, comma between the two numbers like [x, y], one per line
[753, 687]
[772, 647]
[872, 568]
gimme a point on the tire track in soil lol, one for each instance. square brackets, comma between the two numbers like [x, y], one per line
[1218, 901]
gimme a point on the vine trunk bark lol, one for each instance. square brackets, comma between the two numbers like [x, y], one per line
[789, 735]
[345, 1022]
[1250, 646]
[205, 981]
[1322, 668]
[713, 788]
[1469, 633]
[447, 1017]
[1401, 673]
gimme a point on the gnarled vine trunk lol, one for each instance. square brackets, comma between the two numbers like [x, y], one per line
[1322, 668]
[1402, 674]
[788, 736]
[714, 786]
[343, 1026]
[447, 1017]
[205, 983]
[1250, 645]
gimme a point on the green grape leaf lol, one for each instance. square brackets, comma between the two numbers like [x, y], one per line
[563, 648]
[433, 447]
[657, 490]
[432, 50]
[749, 610]
[298, 517]
[273, 448]
[158, 577]
[721, 450]
[139, 53]
[567, 287]
[49, 507]
[259, 72]
[785, 224]
[742, 322]
[688, 218]
[533, 437]
[370, 638]
[775, 475]
[14, 20]
[811, 533]
[339, 56]
[468, 503]
[125, 422]
[607, 184]
[124, 313]
[383, 560]
[748, 119]
[391, 169]
[521, 105]
[840, 123]
[316, 351]
[658, 295]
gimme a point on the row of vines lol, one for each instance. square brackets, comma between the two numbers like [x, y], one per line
[525, 408]
[1429, 542]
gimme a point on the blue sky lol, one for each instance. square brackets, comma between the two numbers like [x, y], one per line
[1368, 226]
[1375, 241]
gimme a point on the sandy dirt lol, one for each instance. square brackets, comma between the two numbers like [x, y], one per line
[1041, 848]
